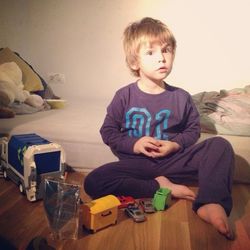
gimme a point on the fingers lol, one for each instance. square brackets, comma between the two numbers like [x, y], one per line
[149, 150]
[146, 145]
[159, 153]
[152, 141]
[147, 153]
[152, 147]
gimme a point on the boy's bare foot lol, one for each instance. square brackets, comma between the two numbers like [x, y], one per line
[178, 191]
[216, 215]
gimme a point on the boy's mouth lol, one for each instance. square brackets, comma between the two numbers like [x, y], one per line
[162, 69]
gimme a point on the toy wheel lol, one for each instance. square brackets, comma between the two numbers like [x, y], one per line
[21, 188]
[5, 175]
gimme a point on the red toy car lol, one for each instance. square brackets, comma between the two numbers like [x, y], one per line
[125, 201]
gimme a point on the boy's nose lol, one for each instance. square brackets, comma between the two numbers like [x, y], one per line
[161, 58]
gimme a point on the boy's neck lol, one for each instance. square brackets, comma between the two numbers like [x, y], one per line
[151, 87]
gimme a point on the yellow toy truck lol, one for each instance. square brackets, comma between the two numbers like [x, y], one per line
[100, 213]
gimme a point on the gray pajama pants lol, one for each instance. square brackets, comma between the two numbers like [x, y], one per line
[210, 162]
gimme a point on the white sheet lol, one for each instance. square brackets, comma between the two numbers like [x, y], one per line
[75, 127]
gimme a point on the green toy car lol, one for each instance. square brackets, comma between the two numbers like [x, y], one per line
[161, 199]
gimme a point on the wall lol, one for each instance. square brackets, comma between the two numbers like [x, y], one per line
[83, 40]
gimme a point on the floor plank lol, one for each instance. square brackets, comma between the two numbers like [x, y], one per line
[178, 227]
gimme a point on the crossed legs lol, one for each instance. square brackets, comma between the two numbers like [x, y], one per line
[211, 160]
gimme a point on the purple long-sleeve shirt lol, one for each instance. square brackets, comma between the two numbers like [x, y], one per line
[132, 114]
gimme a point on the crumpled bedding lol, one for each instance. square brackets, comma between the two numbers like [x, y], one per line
[226, 112]
[12, 92]
[21, 108]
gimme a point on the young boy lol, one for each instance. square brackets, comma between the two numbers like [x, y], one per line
[152, 127]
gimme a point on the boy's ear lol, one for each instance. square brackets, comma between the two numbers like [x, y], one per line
[134, 66]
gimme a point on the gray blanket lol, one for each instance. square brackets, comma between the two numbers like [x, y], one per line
[225, 112]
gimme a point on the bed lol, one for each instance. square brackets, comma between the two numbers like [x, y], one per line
[76, 126]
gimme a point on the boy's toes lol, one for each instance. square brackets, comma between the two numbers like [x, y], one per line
[216, 216]
[230, 235]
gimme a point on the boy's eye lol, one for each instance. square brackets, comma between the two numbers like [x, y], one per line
[149, 52]
[167, 49]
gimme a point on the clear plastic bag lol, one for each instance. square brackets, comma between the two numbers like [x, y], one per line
[61, 204]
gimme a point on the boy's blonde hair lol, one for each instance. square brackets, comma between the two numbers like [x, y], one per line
[146, 30]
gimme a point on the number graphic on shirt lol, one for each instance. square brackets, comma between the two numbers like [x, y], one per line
[138, 121]
[162, 117]
[137, 118]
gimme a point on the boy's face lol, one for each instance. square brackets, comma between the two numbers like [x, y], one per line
[155, 61]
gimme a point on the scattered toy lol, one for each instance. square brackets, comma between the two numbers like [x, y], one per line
[125, 201]
[27, 159]
[147, 205]
[100, 213]
[161, 199]
[134, 211]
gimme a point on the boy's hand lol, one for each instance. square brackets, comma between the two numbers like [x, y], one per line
[147, 145]
[165, 148]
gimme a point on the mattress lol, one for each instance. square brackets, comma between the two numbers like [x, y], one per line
[76, 129]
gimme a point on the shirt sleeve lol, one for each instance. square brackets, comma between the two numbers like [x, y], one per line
[111, 130]
[189, 130]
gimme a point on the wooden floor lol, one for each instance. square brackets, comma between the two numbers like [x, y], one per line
[176, 228]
